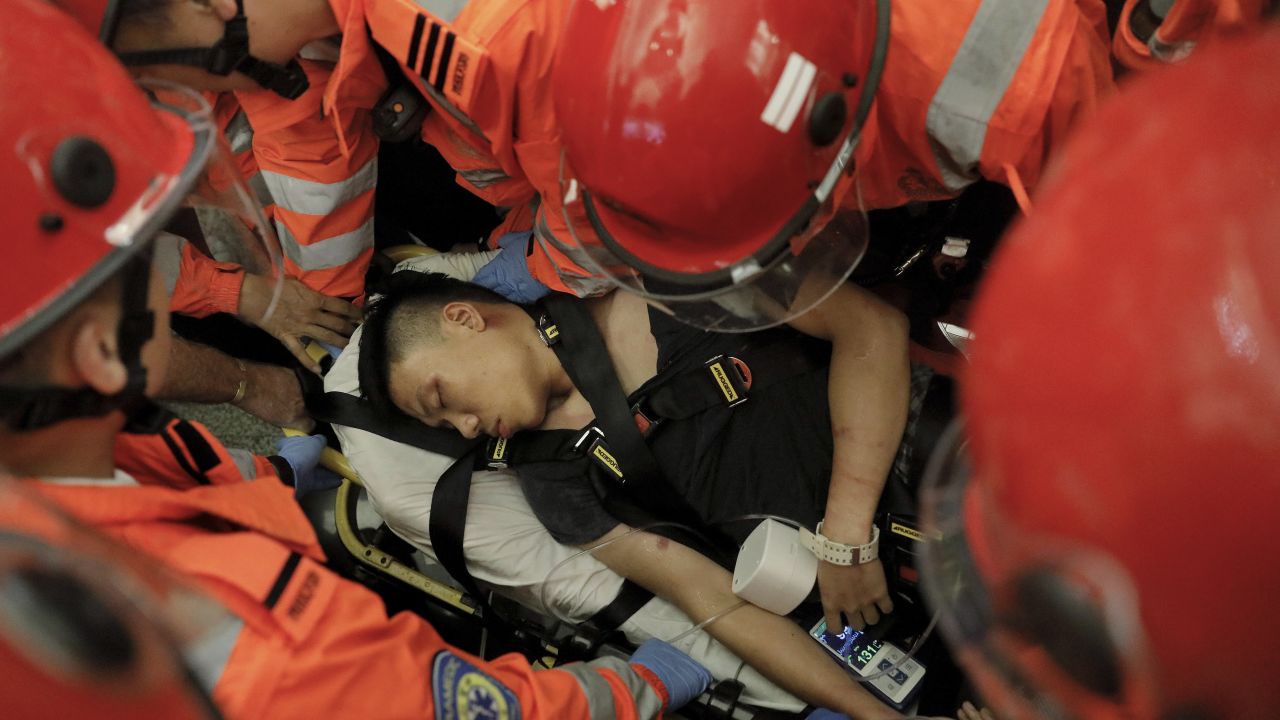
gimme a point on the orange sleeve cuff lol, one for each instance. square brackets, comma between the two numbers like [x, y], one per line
[654, 682]
[224, 289]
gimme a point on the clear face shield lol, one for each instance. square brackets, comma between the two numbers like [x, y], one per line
[790, 273]
[220, 214]
[197, 197]
[1047, 629]
[90, 627]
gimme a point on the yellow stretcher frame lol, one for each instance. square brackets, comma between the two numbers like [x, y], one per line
[370, 556]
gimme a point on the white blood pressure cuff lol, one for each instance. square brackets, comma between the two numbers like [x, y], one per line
[828, 550]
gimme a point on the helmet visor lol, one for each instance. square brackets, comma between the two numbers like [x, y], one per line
[219, 214]
[172, 173]
[790, 273]
[1047, 629]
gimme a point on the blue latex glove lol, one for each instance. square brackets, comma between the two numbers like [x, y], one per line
[303, 455]
[684, 678]
[508, 273]
[825, 714]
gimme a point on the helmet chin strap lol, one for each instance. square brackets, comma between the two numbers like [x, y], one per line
[25, 409]
[228, 55]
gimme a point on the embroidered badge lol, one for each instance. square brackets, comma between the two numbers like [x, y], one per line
[464, 692]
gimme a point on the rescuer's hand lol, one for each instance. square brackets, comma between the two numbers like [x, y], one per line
[682, 676]
[273, 394]
[858, 591]
[302, 453]
[301, 312]
[508, 273]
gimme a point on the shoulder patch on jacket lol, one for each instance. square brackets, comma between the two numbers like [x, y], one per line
[465, 692]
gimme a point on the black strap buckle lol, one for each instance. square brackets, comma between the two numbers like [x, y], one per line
[548, 331]
[592, 439]
[646, 420]
[732, 377]
[496, 454]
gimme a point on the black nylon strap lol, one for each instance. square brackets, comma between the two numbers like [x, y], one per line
[448, 523]
[530, 446]
[339, 408]
[683, 395]
[630, 598]
[586, 360]
[646, 496]
[230, 54]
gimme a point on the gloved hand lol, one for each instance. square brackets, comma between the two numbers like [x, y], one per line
[684, 678]
[302, 453]
[508, 273]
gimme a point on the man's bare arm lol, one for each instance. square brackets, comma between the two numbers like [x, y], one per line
[773, 645]
[198, 373]
[868, 392]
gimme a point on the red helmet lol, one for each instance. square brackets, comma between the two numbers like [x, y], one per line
[706, 143]
[92, 171]
[1113, 551]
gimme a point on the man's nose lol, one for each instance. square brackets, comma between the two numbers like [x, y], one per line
[468, 425]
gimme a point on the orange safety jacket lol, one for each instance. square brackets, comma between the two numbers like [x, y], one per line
[485, 66]
[305, 643]
[314, 174]
[978, 89]
[184, 454]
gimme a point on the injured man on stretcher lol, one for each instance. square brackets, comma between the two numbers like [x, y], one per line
[817, 441]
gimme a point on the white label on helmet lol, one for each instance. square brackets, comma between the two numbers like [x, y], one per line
[789, 94]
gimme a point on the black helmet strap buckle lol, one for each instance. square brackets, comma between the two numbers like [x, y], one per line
[228, 55]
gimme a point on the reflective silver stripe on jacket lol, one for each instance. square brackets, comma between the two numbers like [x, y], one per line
[484, 177]
[239, 133]
[244, 462]
[976, 82]
[208, 655]
[166, 258]
[438, 98]
[258, 185]
[599, 695]
[331, 252]
[446, 10]
[581, 285]
[317, 198]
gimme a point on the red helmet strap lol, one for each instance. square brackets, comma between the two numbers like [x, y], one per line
[228, 55]
[25, 409]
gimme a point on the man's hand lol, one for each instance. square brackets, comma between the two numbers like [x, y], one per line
[273, 394]
[858, 591]
[301, 312]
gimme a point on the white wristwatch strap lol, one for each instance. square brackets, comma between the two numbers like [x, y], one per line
[828, 550]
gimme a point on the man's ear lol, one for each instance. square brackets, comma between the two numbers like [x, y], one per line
[95, 356]
[462, 316]
[224, 9]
